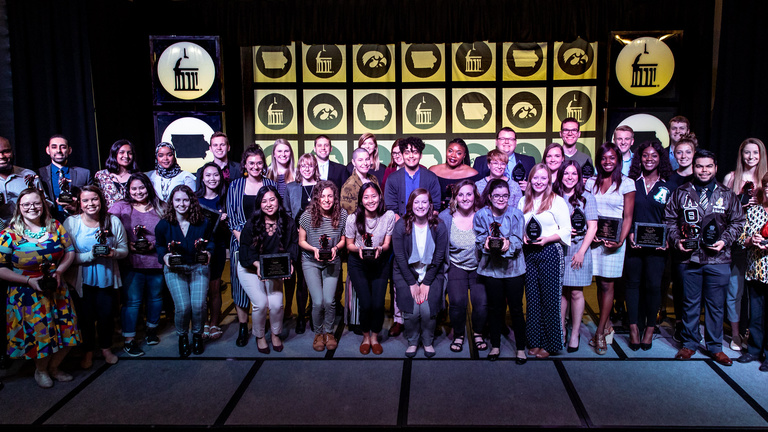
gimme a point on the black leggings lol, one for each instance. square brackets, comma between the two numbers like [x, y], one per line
[94, 314]
[500, 293]
[369, 280]
[461, 285]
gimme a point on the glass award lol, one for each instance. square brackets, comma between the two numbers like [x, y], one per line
[690, 236]
[201, 256]
[533, 229]
[48, 283]
[175, 259]
[369, 252]
[495, 241]
[710, 234]
[588, 170]
[325, 252]
[747, 191]
[141, 245]
[579, 221]
[101, 248]
[518, 172]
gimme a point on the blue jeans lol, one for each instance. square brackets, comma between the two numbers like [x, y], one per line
[136, 284]
[188, 285]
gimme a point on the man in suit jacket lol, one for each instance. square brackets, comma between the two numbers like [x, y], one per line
[402, 182]
[219, 147]
[506, 141]
[50, 175]
[329, 170]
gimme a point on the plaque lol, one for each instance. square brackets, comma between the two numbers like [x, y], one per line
[579, 221]
[175, 259]
[201, 256]
[141, 245]
[533, 229]
[325, 252]
[518, 172]
[690, 233]
[2, 199]
[275, 266]
[587, 170]
[101, 248]
[711, 233]
[495, 242]
[48, 283]
[65, 193]
[747, 191]
[608, 228]
[650, 235]
[369, 252]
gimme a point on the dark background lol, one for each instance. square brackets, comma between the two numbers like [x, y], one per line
[82, 67]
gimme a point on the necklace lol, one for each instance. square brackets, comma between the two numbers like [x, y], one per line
[308, 194]
[36, 235]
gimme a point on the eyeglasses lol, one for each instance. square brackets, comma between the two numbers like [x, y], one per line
[498, 197]
[569, 131]
[27, 206]
[302, 166]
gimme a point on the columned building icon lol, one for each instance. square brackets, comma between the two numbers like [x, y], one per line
[185, 79]
[573, 110]
[323, 64]
[643, 74]
[423, 115]
[473, 62]
[274, 116]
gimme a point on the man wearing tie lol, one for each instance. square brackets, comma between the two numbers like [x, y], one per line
[54, 176]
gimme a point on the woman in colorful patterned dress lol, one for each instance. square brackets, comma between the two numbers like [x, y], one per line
[41, 324]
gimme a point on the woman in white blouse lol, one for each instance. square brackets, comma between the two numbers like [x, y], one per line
[168, 174]
[547, 229]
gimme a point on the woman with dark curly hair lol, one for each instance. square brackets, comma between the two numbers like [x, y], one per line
[185, 225]
[269, 231]
[650, 171]
[324, 220]
[121, 163]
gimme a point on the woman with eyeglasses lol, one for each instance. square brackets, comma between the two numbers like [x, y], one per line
[395, 163]
[241, 204]
[501, 270]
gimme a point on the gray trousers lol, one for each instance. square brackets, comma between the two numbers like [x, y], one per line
[419, 324]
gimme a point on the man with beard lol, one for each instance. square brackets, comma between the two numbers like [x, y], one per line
[52, 176]
[570, 132]
[13, 180]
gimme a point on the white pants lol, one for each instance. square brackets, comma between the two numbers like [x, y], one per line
[265, 295]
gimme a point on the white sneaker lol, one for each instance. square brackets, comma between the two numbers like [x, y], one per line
[43, 379]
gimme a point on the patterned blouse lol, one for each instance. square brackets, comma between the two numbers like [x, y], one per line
[757, 259]
[113, 190]
[26, 256]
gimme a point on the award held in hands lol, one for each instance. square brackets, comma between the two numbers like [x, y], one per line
[141, 245]
[764, 234]
[175, 259]
[587, 170]
[48, 283]
[650, 235]
[579, 221]
[690, 233]
[325, 252]
[101, 248]
[201, 255]
[495, 242]
[533, 229]
[518, 172]
[711, 233]
[369, 252]
[608, 228]
[275, 266]
[747, 192]
[65, 193]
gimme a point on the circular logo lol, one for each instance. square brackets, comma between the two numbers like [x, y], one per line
[528, 149]
[324, 61]
[273, 61]
[373, 60]
[645, 66]
[474, 110]
[275, 111]
[325, 111]
[374, 111]
[646, 128]
[576, 57]
[525, 59]
[423, 110]
[186, 70]
[423, 60]
[474, 59]
[524, 110]
[575, 104]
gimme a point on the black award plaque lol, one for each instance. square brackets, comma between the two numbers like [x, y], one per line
[747, 191]
[325, 252]
[609, 228]
[65, 193]
[2, 199]
[579, 221]
[141, 245]
[201, 256]
[275, 266]
[369, 252]
[650, 235]
[711, 233]
[587, 170]
[690, 236]
[101, 248]
[533, 229]
[495, 242]
[518, 172]
[175, 259]
[48, 282]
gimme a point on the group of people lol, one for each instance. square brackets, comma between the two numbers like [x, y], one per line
[447, 236]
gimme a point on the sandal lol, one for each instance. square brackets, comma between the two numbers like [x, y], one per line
[480, 342]
[458, 344]
[215, 332]
[600, 346]
[206, 332]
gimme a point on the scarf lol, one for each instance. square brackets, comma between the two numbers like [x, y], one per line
[174, 170]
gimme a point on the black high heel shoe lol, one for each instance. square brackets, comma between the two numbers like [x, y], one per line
[242, 336]
[198, 347]
[571, 349]
[645, 346]
[184, 348]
